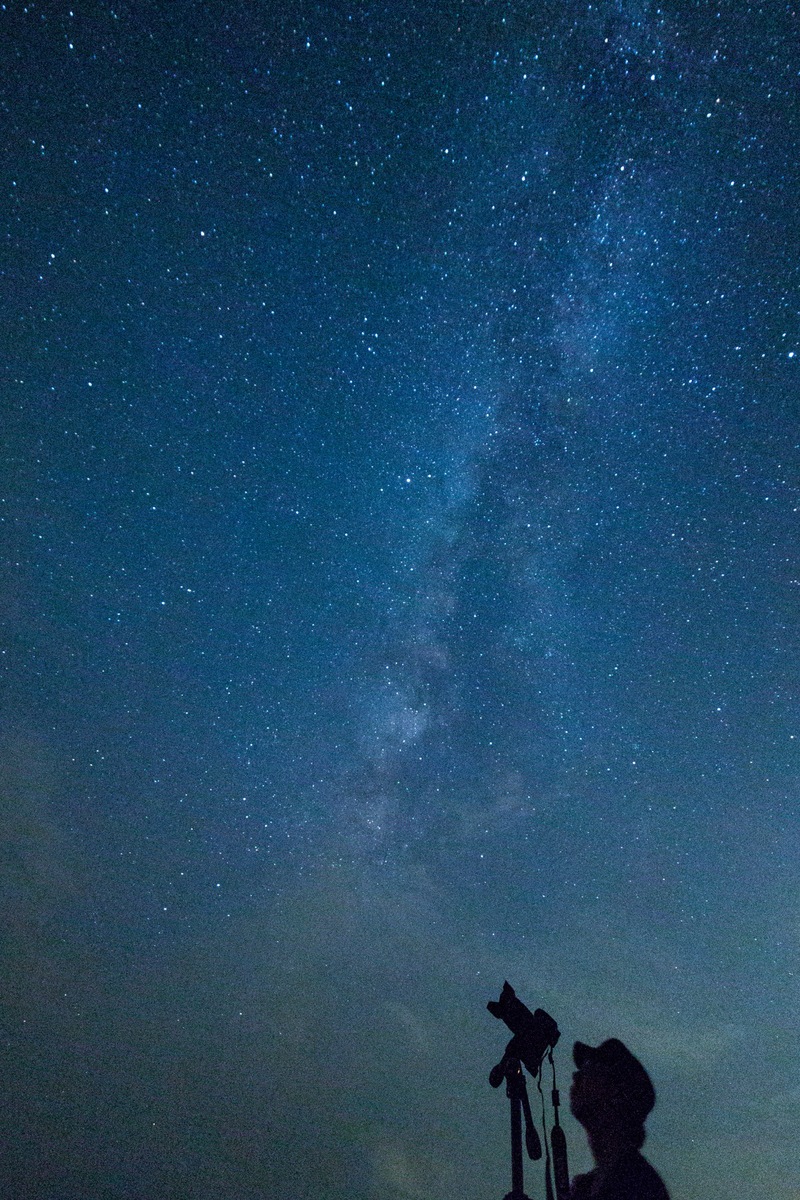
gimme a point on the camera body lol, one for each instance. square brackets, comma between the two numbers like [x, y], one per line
[534, 1033]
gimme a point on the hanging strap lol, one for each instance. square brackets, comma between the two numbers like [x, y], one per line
[548, 1176]
[558, 1145]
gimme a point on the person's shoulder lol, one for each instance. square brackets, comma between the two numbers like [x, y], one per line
[582, 1186]
[629, 1178]
[642, 1181]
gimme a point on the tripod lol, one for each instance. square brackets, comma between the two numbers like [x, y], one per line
[517, 1092]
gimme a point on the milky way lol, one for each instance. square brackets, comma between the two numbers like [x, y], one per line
[399, 589]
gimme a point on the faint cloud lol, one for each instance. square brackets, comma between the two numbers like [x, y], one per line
[408, 1174]
[419, 1038]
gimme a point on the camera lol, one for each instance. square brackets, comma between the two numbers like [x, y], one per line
[534, 1033]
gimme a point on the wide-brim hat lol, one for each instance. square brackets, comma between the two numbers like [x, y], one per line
[622, 1070]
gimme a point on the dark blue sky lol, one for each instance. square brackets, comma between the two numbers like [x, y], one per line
[400, 586]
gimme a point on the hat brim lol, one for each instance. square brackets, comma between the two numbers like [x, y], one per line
[582, 1054]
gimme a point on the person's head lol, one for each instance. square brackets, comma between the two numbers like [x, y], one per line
[611, 1091]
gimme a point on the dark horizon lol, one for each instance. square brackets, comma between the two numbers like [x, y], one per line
[400, 588]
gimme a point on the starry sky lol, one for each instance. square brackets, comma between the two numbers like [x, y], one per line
[399, 588]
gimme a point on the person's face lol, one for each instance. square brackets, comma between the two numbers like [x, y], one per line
[588, 1094]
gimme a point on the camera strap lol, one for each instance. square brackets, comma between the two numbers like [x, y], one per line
[558, 1143]
[548, 1174]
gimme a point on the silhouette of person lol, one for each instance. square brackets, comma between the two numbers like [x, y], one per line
[611, 1096]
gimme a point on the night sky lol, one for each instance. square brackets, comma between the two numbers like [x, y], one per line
[399, 587]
